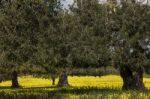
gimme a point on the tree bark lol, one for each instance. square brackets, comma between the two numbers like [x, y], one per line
[53, 81]
[15, 83]
[63, 80]
[132, 80]
[0, 78]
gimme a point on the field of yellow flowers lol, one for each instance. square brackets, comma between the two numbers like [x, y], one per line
[84, 87]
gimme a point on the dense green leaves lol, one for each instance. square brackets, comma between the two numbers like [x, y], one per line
[38, 36]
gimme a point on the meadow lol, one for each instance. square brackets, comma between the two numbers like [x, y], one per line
[83, 87]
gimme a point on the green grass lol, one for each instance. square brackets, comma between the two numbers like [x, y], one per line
[84, 87]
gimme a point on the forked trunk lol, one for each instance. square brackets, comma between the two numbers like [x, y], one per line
[132, 80]
[63, 80]
[15, 83]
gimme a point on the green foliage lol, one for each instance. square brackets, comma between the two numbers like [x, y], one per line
[22, 23]
[93, 71]
[37, 36]
[93, 48]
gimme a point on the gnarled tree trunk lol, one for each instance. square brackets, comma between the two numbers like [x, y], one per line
[132, 80]
[63, 79]
[15, 83]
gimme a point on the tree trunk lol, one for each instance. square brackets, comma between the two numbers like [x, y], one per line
[63, 80]
[105, 69]
[0, 78]
[15, 83]
[132, 80]
[53, 81]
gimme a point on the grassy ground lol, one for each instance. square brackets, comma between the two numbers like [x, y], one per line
[88, 87]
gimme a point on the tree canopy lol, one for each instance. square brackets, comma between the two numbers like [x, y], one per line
[37, 36]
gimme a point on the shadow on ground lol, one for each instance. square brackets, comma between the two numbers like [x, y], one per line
[65, 90]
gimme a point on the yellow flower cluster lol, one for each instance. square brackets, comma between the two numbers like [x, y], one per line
[108, 81]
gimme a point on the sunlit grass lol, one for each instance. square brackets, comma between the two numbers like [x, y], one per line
[83, 87]
[30, 81]
[109, 81]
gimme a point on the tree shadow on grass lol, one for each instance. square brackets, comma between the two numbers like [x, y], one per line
[54, 90]
[65, 89]
[84, 90]
[23, 88]
[5, 87]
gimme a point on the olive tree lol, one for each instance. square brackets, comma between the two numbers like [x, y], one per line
[130, 53]
[20, 29]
